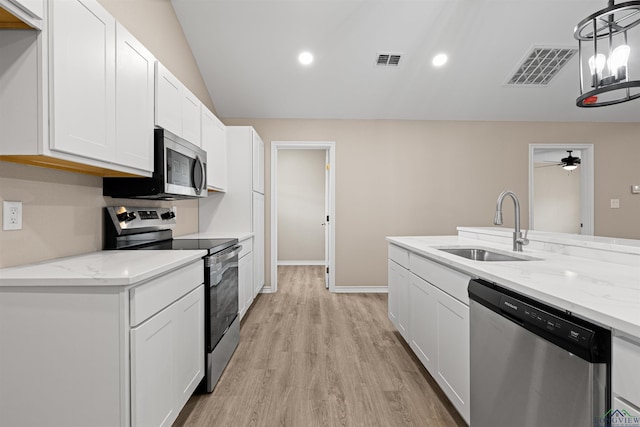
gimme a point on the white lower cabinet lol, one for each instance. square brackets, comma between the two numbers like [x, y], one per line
[625, 381]
[452, 344]
[422, 320]
[245, 277]
[399, 303]
[167, 361]
[102, 356]
[428, 303]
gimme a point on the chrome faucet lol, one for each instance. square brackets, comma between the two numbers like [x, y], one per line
[518, 239]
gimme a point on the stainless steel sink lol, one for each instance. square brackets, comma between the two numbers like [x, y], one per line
[478, 254]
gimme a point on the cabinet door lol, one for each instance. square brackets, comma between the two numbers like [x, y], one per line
[189, 345]
[82, 61]
[152, 373]
[191, 117]
[258, 242]
[245, 282]
[393, 291]
[258, 163]
[214, 142]
[168, 109]
[453, 373]
[399, 276]
[167, 361]
[422, 320]
[134, 102]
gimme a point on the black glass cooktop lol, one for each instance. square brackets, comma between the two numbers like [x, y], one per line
[211, 245]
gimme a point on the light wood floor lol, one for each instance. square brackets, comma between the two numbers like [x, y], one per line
[310, 358]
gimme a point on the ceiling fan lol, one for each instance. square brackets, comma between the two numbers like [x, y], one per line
[568, 163]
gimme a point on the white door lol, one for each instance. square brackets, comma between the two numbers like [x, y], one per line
[83, 70]
[258, 242]
[168, 111]
[152, 374]
[188, 365]
[327, 223]
[134, 102]
[191, 117]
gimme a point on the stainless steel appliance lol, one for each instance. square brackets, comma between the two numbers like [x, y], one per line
[179, 172]
[533, 365]
[150, 229]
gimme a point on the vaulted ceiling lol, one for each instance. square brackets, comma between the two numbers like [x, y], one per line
[247, 53]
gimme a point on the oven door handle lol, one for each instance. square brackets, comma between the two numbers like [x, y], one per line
[227, 256]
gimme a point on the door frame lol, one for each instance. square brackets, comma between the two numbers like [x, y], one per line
[330, 191]
[586, 182]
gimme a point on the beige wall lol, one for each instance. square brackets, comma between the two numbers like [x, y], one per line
[301, 175]
[556, 199]
[62, 211]
[155, 24]
[427, 177]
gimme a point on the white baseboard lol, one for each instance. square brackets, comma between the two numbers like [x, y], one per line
[361, 289]
[321, 262]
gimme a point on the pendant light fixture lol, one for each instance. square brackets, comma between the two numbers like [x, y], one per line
[604, 48]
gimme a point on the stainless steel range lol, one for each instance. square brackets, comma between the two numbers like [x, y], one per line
[151, 229]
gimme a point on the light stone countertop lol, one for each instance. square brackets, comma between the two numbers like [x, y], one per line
[603, 292]
[104, 268]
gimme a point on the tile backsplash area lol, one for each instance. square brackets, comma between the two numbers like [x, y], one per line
[62, 213]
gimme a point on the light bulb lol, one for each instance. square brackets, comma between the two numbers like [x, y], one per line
[596, 64]
[305, 58]
[439, 60]
[569, 167]
[618, 61]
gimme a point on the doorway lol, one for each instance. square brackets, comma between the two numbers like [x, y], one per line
[325, 223]
[560, 200]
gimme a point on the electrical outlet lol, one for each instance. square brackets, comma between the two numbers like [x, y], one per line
[11, 215]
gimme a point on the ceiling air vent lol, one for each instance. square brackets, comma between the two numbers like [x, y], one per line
[388, 59]
[541, 65]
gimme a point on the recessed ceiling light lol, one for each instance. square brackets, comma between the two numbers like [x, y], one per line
[305, 58]
[439, 60]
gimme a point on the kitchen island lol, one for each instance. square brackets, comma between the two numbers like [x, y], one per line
[596, 279]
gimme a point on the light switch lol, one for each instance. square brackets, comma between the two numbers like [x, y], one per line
[615, 203]
[635, 189]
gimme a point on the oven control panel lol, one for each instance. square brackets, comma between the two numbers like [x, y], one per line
[141, 218]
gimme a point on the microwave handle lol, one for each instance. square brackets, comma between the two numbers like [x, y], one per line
[203, 183]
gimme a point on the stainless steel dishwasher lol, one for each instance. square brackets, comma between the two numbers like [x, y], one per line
[533, 365]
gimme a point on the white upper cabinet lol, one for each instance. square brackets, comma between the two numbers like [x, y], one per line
[191, 118]
[258, 163]
[81, 93]
[214, 142]
[168, 100]
[177, 109]
[31, 12]
[134, 101]
[83, 86]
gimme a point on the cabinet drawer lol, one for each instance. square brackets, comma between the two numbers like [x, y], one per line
[450, 281]
[247, 246]
[399, 255]
[624, 366]
[151, 297]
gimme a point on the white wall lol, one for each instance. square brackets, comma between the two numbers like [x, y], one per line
[556, 199]
[301, 182]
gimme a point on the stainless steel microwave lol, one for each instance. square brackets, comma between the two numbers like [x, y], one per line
[179, 172]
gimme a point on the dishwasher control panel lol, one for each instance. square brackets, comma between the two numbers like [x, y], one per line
[548, 322]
